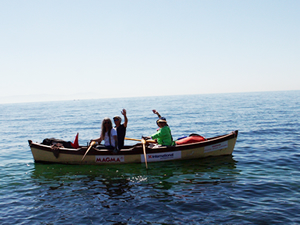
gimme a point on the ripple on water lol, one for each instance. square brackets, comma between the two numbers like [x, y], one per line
[259, 184]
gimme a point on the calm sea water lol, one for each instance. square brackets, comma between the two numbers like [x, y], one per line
[259, 184]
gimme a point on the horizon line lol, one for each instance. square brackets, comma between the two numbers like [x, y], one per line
[72, 97]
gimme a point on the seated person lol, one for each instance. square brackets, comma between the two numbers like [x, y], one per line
[163, 136]
[108, 134]
[121, 128]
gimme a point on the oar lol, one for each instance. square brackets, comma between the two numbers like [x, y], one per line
[144, 150]
[132, 139]
[91, 145]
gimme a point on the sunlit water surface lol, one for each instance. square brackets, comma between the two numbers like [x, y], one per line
[259, 184]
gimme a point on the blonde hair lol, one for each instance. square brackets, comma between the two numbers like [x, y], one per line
[103, 128]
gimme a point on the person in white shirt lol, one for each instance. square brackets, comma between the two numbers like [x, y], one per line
[108, 134]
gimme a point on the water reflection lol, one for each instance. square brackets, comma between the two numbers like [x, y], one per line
[125, 193]
[115, 180]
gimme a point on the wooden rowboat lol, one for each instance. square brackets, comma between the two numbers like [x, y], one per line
[215, 146]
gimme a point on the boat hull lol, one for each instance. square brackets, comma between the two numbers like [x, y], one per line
[216, 146]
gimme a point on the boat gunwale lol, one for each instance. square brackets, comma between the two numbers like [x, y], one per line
[136, 149]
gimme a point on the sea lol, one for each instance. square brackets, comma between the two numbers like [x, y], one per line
[258, 184]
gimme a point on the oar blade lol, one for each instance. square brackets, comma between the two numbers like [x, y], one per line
[144, 151]
[91, 145]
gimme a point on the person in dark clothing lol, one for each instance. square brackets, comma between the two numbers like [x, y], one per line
[121, 128]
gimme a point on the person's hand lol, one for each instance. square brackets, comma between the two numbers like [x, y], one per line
[92, 141]
[123, 112]
[155, 112]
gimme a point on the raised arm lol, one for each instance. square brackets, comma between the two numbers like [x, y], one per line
[125, 117]
[155, 112]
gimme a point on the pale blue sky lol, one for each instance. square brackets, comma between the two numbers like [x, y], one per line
[52, 50]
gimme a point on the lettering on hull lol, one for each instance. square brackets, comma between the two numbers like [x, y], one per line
[109, 158]
[216, 147]
[154, 157]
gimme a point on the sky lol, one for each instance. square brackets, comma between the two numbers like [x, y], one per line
[78, 49]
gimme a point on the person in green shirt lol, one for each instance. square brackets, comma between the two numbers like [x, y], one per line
[163, 136]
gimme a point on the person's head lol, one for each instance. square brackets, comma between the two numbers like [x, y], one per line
[161, 122]
[117, 120]
[106, 125]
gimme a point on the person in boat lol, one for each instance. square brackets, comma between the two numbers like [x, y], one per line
[163, 136]
[108, 134]
[121, 128]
